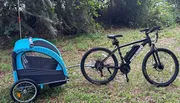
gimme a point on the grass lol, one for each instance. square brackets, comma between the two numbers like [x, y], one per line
[79, 90]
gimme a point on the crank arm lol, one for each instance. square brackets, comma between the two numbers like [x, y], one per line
[127, 79]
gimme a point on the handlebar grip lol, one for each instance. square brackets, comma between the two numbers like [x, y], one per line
[155, 28]
[31, 44]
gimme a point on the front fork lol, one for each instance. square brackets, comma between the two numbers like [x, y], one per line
[156, 58]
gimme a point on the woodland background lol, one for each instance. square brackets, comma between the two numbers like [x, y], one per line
[53, 18]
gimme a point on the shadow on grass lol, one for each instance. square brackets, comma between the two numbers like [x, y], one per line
[45, 95]
[5, 96]
[49, 94]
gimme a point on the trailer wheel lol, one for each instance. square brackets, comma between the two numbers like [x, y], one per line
[24, 90]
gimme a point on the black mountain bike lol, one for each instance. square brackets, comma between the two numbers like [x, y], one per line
[160, 66]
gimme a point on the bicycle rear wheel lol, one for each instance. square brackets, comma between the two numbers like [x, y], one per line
[160, 72]
[97, 71]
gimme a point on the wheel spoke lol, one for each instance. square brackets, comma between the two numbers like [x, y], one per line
[163, 73]
[96, 68]
[92, 66]
[109, 70]
[24, 91]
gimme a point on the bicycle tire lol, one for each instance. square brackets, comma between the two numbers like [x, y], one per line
[83, 68]
[18, 83]
[172, 77]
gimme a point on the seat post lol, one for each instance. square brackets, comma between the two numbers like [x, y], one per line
[115, 42]
[120, 54]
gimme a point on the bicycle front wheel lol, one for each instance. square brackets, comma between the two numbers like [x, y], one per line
[96, 69]
[160, 67]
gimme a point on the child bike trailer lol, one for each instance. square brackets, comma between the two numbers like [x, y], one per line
[36, 62]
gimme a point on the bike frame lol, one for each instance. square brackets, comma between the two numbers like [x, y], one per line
[143, 42]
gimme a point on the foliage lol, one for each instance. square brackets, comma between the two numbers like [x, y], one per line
[76, 16]
[122, 12]
[139, 13]
[50, 18]
[47, 18]
[35, 17]
[160, 13]
[7, 20]
[176, 5]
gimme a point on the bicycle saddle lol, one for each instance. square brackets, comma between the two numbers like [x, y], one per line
[114, 36]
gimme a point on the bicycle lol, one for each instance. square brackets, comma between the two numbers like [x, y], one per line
[100, 65]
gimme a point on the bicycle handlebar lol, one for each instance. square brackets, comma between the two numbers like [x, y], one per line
[148, 30]
[155, 28]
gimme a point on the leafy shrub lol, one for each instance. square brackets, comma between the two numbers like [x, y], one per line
[160, 13]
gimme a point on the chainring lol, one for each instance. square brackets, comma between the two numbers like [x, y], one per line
[125, 68]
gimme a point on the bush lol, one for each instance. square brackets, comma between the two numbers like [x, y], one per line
[160, 13]
[139, 13]
[48, 18]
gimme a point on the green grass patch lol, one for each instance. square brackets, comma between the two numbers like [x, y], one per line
[68, 47]
[79, 90]
[81, 46]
